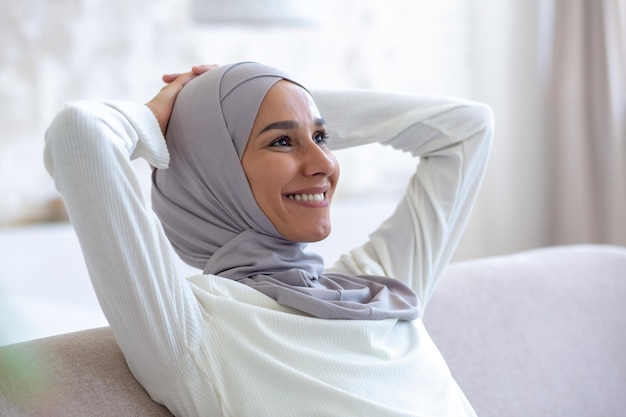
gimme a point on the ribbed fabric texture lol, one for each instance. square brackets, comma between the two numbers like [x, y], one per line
[207, 346]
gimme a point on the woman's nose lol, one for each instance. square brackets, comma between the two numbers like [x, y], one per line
[318, 161]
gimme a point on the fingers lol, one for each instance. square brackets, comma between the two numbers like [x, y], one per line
[201, 69]
[195, 70]
[183, 79]
[168, 78]
[162, 104]
[174, 82]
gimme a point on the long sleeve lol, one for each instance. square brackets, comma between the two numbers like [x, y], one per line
[152, 311]
[209, 346]
[452, 139]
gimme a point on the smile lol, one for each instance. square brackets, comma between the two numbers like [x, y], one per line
[317, 197]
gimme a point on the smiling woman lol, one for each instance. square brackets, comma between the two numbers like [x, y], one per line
[291, 170]
[253, 218]
[244, 176]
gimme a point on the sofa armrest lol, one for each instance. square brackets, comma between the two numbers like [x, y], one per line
[73, 375]
[538, 333]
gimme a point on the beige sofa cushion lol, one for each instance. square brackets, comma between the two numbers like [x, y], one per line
[81, 374]
[540, 333]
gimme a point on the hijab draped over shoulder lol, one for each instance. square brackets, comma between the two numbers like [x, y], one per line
[210, 216]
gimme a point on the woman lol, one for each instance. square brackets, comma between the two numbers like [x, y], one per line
[245, 177]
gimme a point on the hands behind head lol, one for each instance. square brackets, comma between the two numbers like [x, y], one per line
[162, 104]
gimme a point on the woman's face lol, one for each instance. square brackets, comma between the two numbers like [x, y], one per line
[291, 171]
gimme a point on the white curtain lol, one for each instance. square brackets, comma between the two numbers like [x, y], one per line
[588, 121]
[554, 72]
[508, 72]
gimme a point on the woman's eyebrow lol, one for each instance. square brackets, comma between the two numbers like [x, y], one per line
[282, 125]
[290, 124]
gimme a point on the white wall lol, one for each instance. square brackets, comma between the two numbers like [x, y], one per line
[508, 45]
[53, 52]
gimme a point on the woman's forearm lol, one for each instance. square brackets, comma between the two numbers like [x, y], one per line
[88, 150]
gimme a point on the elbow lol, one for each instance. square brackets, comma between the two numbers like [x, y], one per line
[70, 132]
[482, 118]
[57, 135]
[480, 121]
[488, 118]
[69, 123]
[72, 121]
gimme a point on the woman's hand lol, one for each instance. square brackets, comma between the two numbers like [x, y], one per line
[162, 104]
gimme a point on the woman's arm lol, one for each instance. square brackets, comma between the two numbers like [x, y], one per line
[452, 138]
[152, 311]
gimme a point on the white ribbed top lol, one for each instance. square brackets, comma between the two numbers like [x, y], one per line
[207, 346]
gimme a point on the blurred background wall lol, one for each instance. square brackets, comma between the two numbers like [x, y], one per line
[498, 51]
[552, 70]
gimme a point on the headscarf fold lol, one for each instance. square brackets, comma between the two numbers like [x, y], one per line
[210, 216]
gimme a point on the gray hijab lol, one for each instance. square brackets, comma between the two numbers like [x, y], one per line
[210, 216]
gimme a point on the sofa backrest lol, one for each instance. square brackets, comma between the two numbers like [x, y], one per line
[80, 374]
[540, 333]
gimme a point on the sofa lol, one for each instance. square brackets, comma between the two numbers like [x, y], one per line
[537, 333]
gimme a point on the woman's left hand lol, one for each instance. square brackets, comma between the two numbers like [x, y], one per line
[162, 104]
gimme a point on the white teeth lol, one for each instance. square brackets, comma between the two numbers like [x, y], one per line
[306, 197]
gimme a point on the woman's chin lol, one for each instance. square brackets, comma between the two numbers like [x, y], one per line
[311, 236]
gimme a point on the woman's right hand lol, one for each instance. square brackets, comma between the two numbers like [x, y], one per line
[162, 104]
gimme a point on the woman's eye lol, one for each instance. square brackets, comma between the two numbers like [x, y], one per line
[321, 138]
[282, 141]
